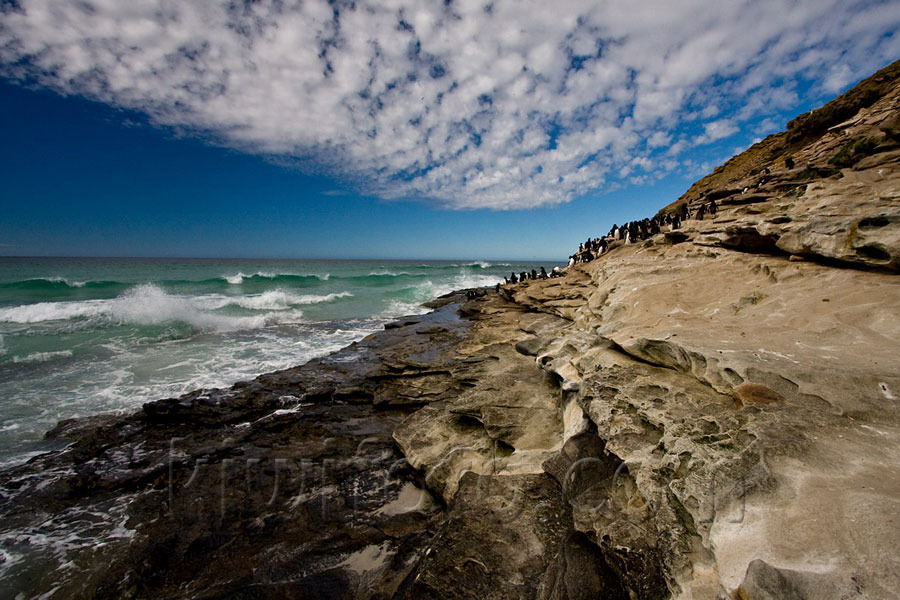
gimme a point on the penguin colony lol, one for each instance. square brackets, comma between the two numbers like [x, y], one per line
[630, 233]
[636, 231]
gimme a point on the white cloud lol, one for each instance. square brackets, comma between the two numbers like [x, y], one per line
[659, 139]
[716, 130]
[765, 127]
[519, 104]
[677, 148]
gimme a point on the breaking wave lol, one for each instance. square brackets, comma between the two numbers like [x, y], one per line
[281, 300]
[147, 304]
[240, 278]
[55, 283]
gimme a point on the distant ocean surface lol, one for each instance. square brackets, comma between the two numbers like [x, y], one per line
[81, 336]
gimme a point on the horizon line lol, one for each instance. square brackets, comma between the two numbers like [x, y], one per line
[279, 258]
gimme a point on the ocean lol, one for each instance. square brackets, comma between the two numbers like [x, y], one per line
[82, 336]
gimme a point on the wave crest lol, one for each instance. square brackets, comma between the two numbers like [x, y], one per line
[149, 305]
[53, 283]
[281, 300]
[38, 357]
[265, 276]
[410, 299]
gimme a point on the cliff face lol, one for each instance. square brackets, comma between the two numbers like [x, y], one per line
[713, 412]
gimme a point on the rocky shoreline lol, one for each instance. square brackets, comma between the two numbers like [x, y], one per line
[713, 412]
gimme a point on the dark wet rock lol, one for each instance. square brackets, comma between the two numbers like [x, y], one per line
[530, 347]
[489, 517]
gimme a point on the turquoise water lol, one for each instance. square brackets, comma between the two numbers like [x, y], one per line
[84, 336]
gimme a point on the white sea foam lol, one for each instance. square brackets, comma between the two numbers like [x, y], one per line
[42, 356]
[387, 273]
[74, 284]
[465, 279]
[149, 305]
[481, 263]
[271, 300]
[57, 279]
[412, 304]
[281, 300]
[399, 308]
[50, 311]
[2, 346]
[428, 290]
[95, 529]
[240, 277]
[311, 299]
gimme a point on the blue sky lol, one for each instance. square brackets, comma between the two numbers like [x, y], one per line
[391, 130]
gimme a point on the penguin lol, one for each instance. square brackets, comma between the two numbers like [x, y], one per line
[713, 207]
[543, 273]
[533, 274]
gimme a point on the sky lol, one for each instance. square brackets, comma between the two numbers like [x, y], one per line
[392, 129]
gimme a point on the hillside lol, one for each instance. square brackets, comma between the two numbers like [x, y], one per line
[820, 142]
